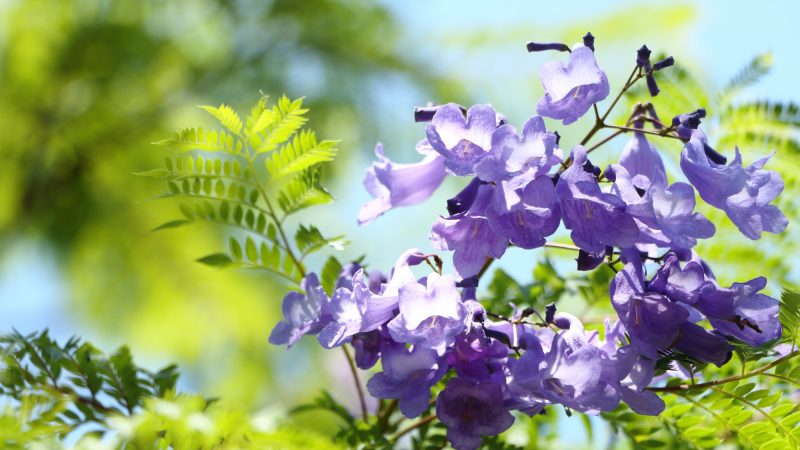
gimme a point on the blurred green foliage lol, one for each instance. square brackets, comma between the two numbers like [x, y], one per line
[85, 85]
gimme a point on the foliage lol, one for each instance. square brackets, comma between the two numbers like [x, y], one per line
[99, 386]
[235, 176]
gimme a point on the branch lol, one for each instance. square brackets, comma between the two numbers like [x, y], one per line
[711, 384]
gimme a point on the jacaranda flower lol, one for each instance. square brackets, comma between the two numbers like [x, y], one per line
[744, 193]
[519, 159]
[571, 89]
[430, 315]
[525, 216]
[597, 219]
[463, 141]
[302, 313]
[394, 185]
[408, 376]
[472, 410]
[469, 235]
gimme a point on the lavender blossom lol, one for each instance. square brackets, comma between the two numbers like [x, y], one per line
[744, 193]
[408, 376]
[571, 89]
[394, 185]
[596, 219]
[517, 158]
[462, 141]
[469, 235]
[472, 410]
[303, 313]
[430, 315]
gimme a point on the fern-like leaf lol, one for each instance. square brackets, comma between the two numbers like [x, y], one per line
[198, 139]
[301, 192]
[790, 315]
[748, 75]
[226, 116]
[301, 153]
[288, 117]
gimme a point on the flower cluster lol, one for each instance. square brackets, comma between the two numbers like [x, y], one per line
[430, 329]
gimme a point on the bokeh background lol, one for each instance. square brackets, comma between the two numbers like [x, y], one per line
[86, 85]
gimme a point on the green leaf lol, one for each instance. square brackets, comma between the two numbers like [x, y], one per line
[172, 224]
[288, 119]
[790, 314]
[330, 273]
[216, 260]
[226, 116]
[309, 239]
[302, 192]
[303, 152]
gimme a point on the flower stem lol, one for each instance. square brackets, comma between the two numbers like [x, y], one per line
[413, 426]
[354, 371]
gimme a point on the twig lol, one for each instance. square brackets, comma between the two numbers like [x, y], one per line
[731, 379]
[357, 381]
[412, 427]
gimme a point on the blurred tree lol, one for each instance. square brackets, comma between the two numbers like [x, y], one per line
[85, 85]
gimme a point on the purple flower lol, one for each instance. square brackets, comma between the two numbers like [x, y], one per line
[477, 357]
[525, 216]
[596, 219]
[430, 315]
[463, 141]
[743, 193]
[408, 376]
[303, 313]
[469, 235]
[572, 372]
[651, 319]
[635, 372]
[471, 410]
[741, 312]
[682, 284]
[519, 158]
[362, 309]
[368, 347]
[642, 162]
[571, 89]
[665, 215]
[394, 185]
[656, 322]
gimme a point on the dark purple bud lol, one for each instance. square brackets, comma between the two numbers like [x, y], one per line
[463, 200]
[591, 168]
[643, 56]
[664, 63]
[690, 121]
[588, 40]
[549, 312]
[651, 85]
[558, 137]
[714, 155]
[425, 113]
[544, 46]
[590, 261]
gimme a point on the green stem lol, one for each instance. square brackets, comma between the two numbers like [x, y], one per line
[712, 384]
[357, 381]
[412, 427]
